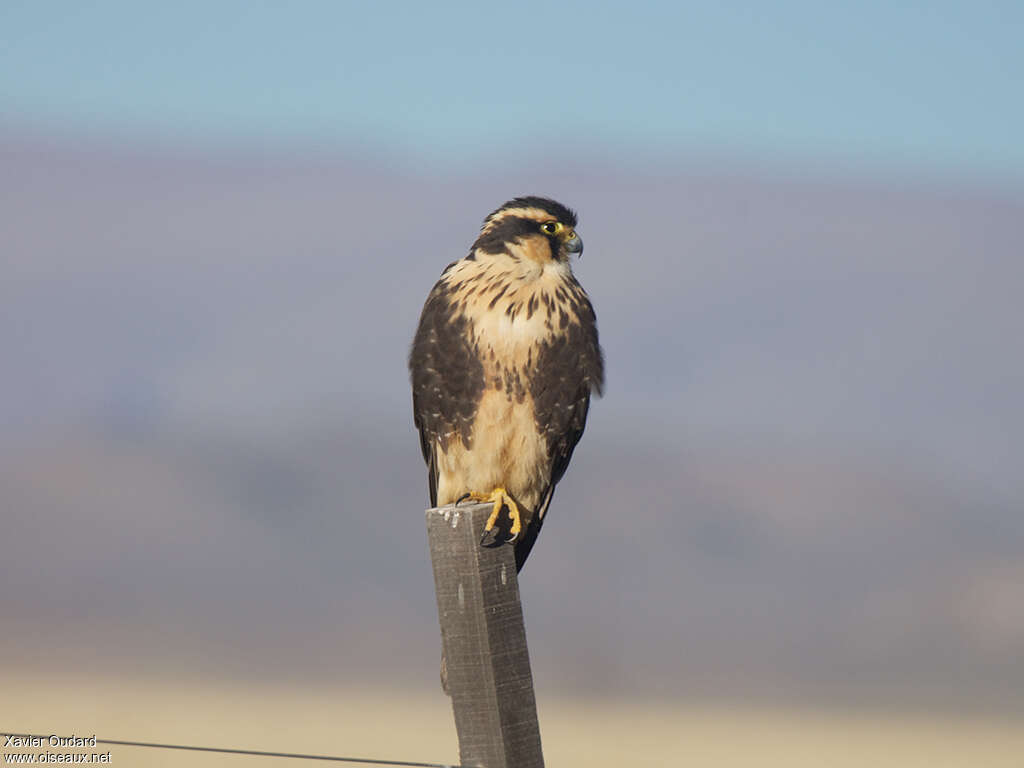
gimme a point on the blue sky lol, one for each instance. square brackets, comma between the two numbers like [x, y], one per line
[927, 86]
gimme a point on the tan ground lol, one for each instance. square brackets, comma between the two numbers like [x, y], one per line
[418, 726]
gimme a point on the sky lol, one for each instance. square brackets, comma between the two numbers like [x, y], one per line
[910, 86]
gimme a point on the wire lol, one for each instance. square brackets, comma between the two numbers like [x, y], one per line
[294, 755]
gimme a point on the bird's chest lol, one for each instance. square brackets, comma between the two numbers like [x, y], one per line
[507, 448]
[508, 350]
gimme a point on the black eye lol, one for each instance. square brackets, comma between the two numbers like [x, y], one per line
[549, 228]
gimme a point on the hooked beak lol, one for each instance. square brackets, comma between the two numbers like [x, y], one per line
[574, 245]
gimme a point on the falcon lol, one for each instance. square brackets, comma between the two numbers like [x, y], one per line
[503, 365]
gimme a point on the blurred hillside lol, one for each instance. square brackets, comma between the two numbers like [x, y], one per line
[803, 482]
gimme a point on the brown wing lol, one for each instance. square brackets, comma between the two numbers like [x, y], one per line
[447, 379]
[569, 367]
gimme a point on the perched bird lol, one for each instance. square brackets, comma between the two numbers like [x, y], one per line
[503, 365]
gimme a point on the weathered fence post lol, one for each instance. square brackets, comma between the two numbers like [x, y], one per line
[484, 641]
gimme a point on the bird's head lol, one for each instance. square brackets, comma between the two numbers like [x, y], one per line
[535, 228]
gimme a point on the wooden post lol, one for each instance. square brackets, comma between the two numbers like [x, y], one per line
[484, 641]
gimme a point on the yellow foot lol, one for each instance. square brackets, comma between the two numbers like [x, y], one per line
[500, 498]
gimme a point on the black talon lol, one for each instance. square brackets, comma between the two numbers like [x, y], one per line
[500, 532]
[490, 538]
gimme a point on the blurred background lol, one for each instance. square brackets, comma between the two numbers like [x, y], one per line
[800, 498]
